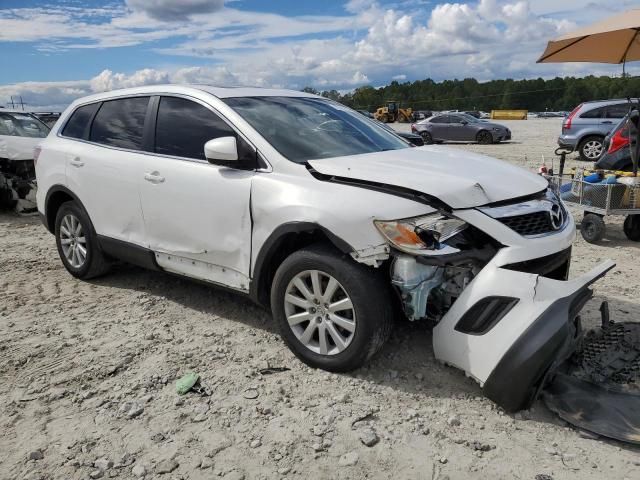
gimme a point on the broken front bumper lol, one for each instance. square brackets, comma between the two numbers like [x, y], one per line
[510, 329]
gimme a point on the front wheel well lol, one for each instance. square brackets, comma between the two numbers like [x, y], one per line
[279, 246]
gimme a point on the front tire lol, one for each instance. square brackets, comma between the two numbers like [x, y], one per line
[332, 313]
[591, 148]
[484, 137]
[77, 243]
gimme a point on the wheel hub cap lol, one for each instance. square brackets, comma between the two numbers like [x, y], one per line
[73, 241]
[320, 313]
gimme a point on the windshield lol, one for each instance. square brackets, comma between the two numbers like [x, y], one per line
[22, 125]
[303, 128]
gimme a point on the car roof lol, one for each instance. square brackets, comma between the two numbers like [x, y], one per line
[604, 102]
[219, 92]
[13, 110]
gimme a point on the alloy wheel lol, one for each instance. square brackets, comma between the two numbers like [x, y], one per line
[73, 241]
[320, 312]
[592, 149]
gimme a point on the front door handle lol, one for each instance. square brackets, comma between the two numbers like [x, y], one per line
[607, 122]
[154, 177]
[76, 162]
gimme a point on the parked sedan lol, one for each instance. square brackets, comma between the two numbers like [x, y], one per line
[460, 127]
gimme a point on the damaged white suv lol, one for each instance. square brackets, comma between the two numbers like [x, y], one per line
[329, 219]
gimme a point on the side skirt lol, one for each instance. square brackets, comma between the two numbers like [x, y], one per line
[128, 252]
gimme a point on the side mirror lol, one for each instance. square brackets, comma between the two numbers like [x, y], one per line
[223, 149]
[464, 122]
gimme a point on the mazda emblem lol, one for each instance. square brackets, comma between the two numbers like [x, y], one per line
[557, 217]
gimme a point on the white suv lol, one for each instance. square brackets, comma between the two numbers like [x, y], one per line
[334, 222]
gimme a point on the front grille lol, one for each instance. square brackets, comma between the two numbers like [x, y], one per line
[536, 223]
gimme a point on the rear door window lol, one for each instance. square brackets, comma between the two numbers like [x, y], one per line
[617, 111]
[184, 126]
[120, 123]
[78, 124]
[440, 119]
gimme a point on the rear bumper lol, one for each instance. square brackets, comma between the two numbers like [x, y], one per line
[511, 358]
[567, 142]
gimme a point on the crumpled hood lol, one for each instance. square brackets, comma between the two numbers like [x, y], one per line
[458, 178]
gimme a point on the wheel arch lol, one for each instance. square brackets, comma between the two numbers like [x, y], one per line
[483, 130]
[56, 196]
[286, 239]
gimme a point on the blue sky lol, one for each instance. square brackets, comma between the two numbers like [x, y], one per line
[59, 50]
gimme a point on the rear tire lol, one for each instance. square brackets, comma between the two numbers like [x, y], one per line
[484, 137]
[591, 148]
[366, 313]
[631, 227]
[77, 243]
[592, 228]
[426, 136]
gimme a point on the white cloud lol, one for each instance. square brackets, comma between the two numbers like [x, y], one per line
[107, 80]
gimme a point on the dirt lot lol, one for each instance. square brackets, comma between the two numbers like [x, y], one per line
[88, 374]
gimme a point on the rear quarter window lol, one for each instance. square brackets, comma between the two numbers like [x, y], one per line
[120, 123]
[78, 124]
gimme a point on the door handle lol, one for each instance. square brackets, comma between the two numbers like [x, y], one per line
[153, 177]
[607, 122]
[76, 162]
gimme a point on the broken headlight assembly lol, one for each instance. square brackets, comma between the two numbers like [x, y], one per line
[424, 235]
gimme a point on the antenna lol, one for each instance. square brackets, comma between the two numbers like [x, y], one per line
[15, 103]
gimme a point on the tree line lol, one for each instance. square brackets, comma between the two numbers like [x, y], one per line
[535, 95]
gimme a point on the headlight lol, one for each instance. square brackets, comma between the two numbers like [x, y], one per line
[421, 235]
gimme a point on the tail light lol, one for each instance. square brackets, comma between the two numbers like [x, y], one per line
[36, 154]
[619, 140]
[567, 123]
[413, 128]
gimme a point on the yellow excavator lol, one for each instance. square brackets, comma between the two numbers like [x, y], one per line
[393, 112]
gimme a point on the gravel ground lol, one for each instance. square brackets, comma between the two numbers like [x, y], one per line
[88, 371]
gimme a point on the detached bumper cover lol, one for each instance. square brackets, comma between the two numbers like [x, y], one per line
[511, 359]
[545, 345]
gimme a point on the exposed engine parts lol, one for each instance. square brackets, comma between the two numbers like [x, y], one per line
[428, 291]
[18, 185]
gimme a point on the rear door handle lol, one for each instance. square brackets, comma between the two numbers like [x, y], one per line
[607, 122]
[153, 177]
[76, 162]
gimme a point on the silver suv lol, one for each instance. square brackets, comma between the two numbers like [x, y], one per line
[586, 126]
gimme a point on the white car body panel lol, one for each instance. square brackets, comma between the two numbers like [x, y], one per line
[198, 212]
[460, 181]
[347, 212]
[106, 180]
[18, 148]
